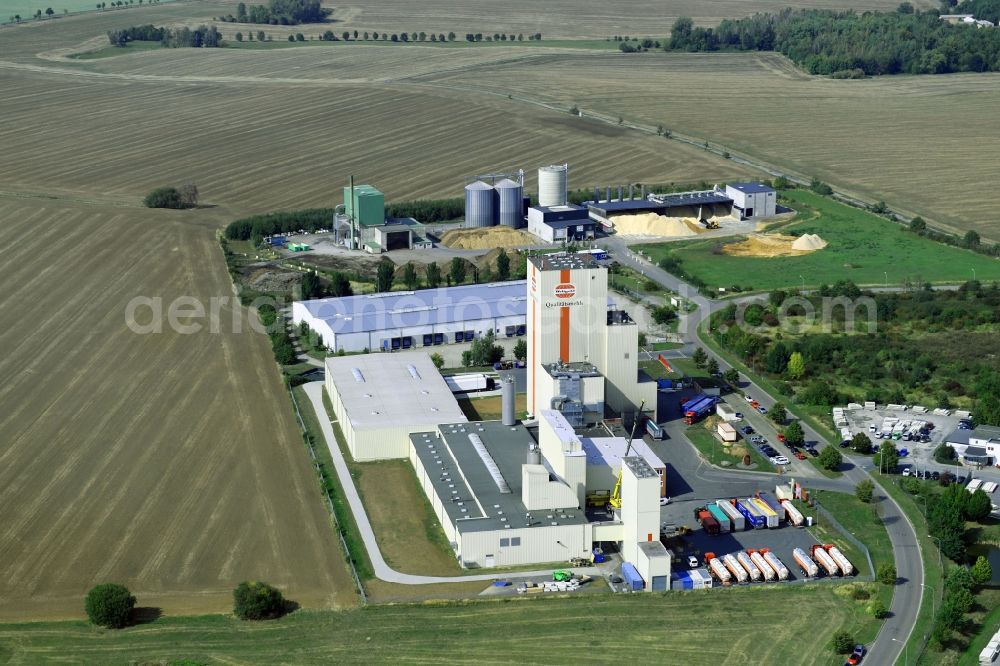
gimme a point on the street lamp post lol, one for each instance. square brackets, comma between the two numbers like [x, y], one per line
[938, 540]
[973, 274]
[886, 274]
[933, 601]
[906, 652]
[803, 282]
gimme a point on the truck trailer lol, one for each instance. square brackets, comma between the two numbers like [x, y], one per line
[805, 562]
[633, 580]
[700, 409]
[770, 500]
[761, 563]
[708, 523]
[736, 518]
[845, 564]
[747, 563]
[823, 558]
[779, 568]
[725, 525]
[770, 517]
[718, 569]
[754, 518]
[471, 381]
[735, 568]
[794, 515]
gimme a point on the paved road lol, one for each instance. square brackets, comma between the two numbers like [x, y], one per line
[382, 570]
[906, 601]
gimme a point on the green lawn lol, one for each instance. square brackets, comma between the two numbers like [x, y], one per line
[636, 628]
[864, 248]
[712, 450]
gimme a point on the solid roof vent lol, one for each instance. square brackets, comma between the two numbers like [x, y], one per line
[491, 465]
[358, 377]
[413, 371]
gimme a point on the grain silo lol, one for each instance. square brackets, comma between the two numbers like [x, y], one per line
[480, 205]
[552, 185]
[511, 205]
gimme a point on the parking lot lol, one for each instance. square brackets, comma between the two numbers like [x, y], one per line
[906, 423]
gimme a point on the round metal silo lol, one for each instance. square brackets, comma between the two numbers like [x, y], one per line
[480, 205]
[511, 206]
[552, 185]
[508, 414]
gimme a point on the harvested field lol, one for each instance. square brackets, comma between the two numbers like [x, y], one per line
[774, 245]
[169, 462]
[487, 238]
[881, 138]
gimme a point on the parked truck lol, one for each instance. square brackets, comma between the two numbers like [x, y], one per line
[725, 525]
[766, 569]
[753, 517]
[633, 581]
[779, 568]
[700, 409]
[775, 506]
[687, 403]
[708, 523]
[747, 563]
[718, 569]
[794, 515]
[823, 558]
[654, 430]
[738, 522]
[735, 568]
[845, 564]
[805, 562]
[770, 517]
[470, 381]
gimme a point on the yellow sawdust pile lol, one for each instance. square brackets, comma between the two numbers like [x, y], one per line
[775, 245]
[487, 238]
[651, 224]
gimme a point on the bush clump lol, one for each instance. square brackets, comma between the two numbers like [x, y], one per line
[109, 605]
[255, 600]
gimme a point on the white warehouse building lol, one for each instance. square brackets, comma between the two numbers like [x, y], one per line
[379, 399]
[752, 200]
[400, 320]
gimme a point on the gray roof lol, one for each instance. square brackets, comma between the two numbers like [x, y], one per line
[974, 452]
[751, 188]
[985, 432]
[653, 549]
[473, 498]
[660, 203]
[407, 309]
[958, 437]
[371, 388]
[562, 261]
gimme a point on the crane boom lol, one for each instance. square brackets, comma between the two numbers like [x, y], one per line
[616, 495]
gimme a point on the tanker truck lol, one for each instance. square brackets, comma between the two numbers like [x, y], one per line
[838, 557]
[717, 568]
[823, 558]
[747, 563]
[762, 564]
[809, 567]
[794, 516]
[739, 573]
[776, 564]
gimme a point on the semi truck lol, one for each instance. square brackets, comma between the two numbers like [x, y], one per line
[718, 569]
[845, 564]
[806, 563]
[770, 517]
[761, 563]
[708, 523]
[773, 503]
[736, 518]
[655, 431]
[686, 403]
[739, 573]
[823, 558]
[794, 515]
[700, 409]
[753, 517]
[775, 563]
[633, 581]
[725, 525]
[747, 563]
[472, 381]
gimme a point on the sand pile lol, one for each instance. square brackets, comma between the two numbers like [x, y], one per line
[809, 242]
[651, 224]
[774, 245]
[487, 238]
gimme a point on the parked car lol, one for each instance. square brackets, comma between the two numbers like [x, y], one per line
[692, 562]
[935, 475]
[780, 460]
[748, 398]
[739, 415]
[813, 452]
[746, 430]
[907, 471]
[871, 427]
[762, 409]
[800, 455]
[857, 655]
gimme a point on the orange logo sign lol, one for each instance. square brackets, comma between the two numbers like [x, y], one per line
[565, 290]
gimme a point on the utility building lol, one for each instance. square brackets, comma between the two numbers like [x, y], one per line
[574, 336]
[752, 200]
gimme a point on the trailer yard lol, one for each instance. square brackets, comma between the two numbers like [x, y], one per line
[904, 425]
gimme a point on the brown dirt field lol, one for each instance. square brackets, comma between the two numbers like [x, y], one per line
[760, 245]
[486, 238]
[169, 462]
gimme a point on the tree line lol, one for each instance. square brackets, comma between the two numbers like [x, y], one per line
[280, 12]
[845, 44]
[200, 37]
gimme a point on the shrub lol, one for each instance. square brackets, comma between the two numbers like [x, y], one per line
[887, 574]
[877, 609]
[830, 458]
[254, 600]
[843, 642]
[164, 197]
[864, 490]
[109, 605]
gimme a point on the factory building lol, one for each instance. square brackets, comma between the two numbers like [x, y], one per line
[380, 399]
[400, 320]
[362, 223]
[752, 200]
[702, 205]
[604, 461]
[575, 336]
[566, 223]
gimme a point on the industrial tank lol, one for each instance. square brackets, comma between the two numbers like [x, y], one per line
[552, 185]
[508, 408]
[510, 195]
[480, 205]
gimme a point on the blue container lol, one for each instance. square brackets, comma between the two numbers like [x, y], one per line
[632, 577]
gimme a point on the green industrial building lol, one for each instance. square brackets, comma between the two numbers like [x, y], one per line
[366, 207]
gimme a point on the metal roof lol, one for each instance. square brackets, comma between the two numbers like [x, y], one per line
[562, 261]
[372, 388]
[469, 483]
[985, 432]
[661, 202]
[750, 188]
[958, 437]
[610, 451]
[974, 452]
[426, 307]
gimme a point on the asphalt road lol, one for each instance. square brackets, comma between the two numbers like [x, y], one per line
[906, 601]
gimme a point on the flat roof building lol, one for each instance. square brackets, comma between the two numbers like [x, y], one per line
[568, 223]
[425, 318]
[379, 399]
[604, 461]
[752, 200]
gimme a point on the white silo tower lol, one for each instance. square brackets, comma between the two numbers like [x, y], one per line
[552, 182]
